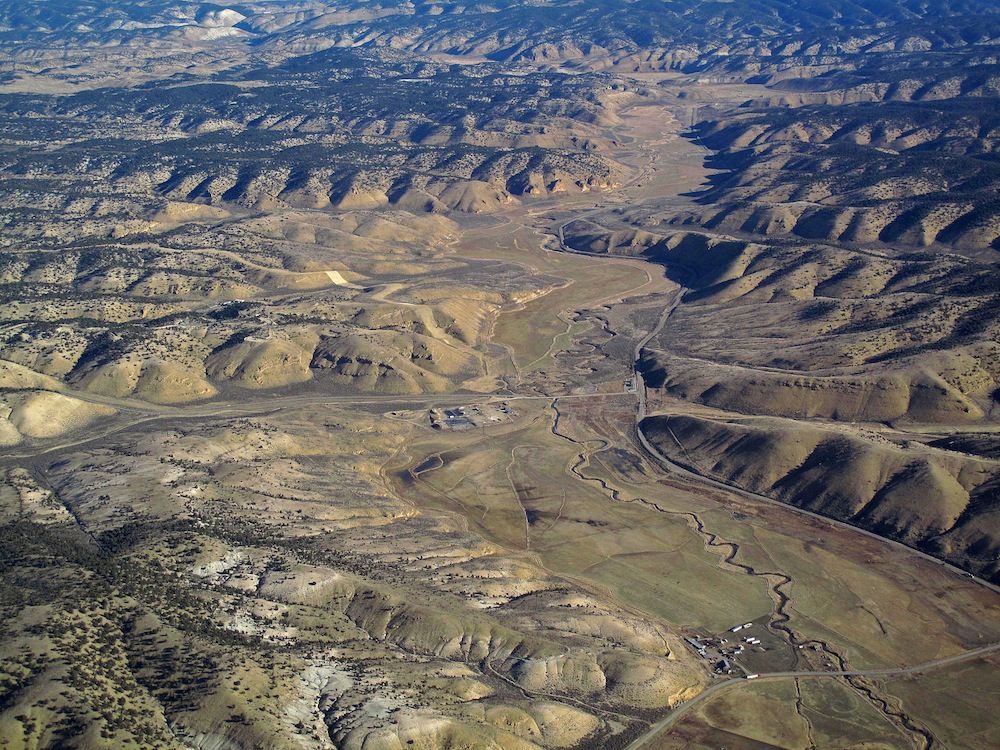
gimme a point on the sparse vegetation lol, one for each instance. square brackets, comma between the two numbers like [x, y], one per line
[317, 434]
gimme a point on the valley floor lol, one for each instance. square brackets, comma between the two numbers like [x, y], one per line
[511, 559]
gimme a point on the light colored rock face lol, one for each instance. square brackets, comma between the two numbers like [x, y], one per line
[326, 242]
[336, 651]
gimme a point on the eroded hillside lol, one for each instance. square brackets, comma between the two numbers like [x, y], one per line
[508, 375]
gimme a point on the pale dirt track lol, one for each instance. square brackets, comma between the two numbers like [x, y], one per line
[674, 716]
[137, 413]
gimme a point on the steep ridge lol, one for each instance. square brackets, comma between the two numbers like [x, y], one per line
[443, 137]
[858, 477]
[636, 34]
[281, 318]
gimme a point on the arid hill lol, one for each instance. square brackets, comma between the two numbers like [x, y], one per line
[427, 374]
[840, 266]
[860, 477]
[632, 35]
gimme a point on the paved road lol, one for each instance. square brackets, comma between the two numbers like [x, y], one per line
[690, 472]
[676, 714]
[224, 409]
[146, 413]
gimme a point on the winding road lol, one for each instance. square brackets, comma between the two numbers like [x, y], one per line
[670, 719]
[692, 473]
[134, 413]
